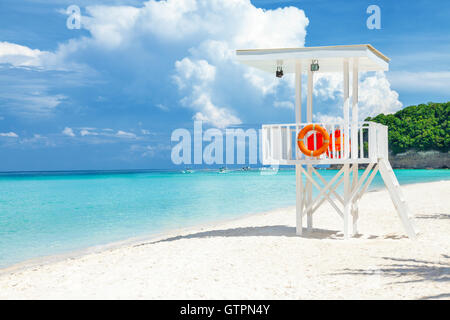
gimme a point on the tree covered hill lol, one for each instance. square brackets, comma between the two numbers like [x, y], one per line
[423, 127]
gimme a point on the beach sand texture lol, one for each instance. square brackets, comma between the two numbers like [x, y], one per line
[260, 257]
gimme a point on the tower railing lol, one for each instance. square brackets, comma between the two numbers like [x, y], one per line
[279, 143]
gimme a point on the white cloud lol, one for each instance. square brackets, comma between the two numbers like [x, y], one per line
[420, 81]
[198, 38]
[327, 85]
[162, 107]
[88, 132]
[264, 82]
[24, 57]
[111, 26]
[200, 72]
[376, 96]
[124, 134]
[210, 113]
[20, 56]
[210, 31]
[37, 102]
[108, 133]
[204, 32]
[38, 140]
[222, 27]
[68, 132]
[197, 76]
[284, 104]
[325, 118]
[9, 134]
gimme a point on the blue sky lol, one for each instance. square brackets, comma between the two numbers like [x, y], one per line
[107, 96]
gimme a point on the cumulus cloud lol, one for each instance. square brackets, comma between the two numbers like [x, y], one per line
[9, 134]
[124, 134]
[193, 43]
[205, 33]
[327, 85]
[197, 76]
[68, 132]
[106, 133]
[199, 71]
[20, 56]
[375, 96]
[88, 132]
[326, 118]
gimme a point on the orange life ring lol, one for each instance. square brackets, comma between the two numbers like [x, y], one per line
[320, 130]
[338, 143]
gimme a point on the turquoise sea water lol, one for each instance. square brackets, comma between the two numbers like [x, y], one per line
[48, 213]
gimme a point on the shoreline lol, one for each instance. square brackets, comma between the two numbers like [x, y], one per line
[129, 242]
[134, 241]
[259, 256]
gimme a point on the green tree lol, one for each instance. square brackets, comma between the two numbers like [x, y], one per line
[423, 127]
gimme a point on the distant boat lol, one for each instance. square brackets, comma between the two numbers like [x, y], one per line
[187, 171]
[247, 168]
[223, 170]
[267, 169]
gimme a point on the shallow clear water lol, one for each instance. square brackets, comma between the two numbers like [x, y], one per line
[48, 213]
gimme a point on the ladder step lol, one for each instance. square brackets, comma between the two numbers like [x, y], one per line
[393, 186]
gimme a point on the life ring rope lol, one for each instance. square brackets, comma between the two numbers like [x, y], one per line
[301, 135]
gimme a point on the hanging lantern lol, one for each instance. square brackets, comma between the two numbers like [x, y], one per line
[279, 72]
[315, 65]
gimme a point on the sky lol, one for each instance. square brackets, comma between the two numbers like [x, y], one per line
[109, 94]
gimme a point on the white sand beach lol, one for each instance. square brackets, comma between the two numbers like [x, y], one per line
[260, 257]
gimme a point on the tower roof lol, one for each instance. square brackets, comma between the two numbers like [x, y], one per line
[330, 58]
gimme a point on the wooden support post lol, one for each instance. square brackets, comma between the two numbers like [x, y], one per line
[347, 203]
[299, 200]
[309, 120]
[298, 173]
[346, 155]
[346, 110]
[355, 140]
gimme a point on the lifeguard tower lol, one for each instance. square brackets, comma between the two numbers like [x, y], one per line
[350, 143]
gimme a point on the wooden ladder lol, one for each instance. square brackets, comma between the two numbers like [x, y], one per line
[397, 197]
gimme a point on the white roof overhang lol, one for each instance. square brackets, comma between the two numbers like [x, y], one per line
[330, 58]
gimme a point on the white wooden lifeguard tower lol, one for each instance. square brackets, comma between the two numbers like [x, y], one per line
[363, 142]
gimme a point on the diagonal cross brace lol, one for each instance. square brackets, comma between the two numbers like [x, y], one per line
[323, 199]
[331, 190]
[323, 190]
